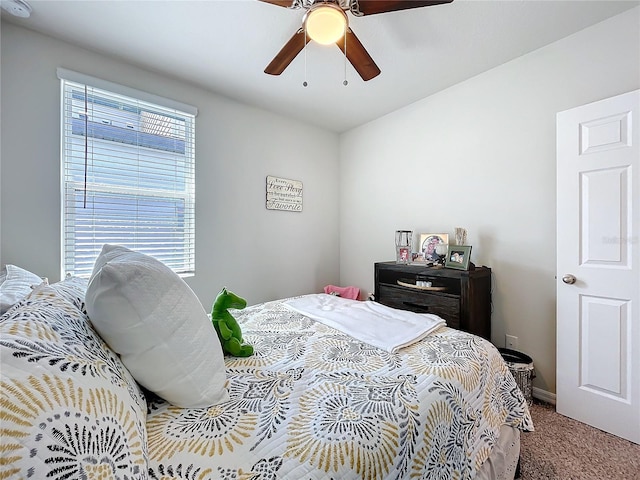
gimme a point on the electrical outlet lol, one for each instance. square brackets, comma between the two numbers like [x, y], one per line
[510, 342]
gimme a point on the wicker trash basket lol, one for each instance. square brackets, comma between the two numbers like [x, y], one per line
[521, 367]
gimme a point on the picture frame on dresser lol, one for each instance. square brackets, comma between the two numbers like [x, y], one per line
[428, 242]
[458, 257]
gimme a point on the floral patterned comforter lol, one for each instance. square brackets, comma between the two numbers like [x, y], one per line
[314, 403]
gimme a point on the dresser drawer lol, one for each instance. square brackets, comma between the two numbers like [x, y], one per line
[445, 306]
[461, 297]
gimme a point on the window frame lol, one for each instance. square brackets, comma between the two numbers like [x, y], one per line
[130, 144]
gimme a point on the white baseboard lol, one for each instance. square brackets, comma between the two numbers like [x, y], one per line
[544, 395]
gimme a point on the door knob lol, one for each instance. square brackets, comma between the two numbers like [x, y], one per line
[569, 279]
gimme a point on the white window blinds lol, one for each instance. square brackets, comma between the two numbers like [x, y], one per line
[128, 175]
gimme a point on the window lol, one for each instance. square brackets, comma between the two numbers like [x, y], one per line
[128, 174]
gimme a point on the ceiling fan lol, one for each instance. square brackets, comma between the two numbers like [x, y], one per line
[332, 14]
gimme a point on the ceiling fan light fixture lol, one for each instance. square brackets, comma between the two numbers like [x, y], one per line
[325, 23]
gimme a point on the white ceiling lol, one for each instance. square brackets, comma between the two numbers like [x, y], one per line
[224, 46]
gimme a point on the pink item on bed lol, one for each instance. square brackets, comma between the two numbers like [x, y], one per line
[352, 293]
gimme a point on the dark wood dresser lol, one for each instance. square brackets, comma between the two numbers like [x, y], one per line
[461, 297]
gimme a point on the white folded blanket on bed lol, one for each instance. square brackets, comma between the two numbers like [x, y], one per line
[370, 322]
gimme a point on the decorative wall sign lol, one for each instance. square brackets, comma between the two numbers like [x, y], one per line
[284, 194]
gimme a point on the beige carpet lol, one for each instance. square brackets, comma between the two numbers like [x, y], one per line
[565, 449]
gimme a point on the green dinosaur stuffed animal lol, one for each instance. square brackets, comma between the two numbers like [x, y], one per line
[226, 326]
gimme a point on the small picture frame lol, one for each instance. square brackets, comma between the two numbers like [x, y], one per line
[428, 242]
[417, 257]
[458, 257]
[403, 254]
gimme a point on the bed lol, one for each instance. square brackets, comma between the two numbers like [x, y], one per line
[315, 403]
[321, 397]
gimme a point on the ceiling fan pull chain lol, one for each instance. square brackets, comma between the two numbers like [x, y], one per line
[304, 84]
[86, 144]
[345, 83]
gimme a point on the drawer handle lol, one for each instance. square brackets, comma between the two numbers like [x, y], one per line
[415, 305]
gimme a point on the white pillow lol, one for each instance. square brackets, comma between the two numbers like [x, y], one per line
[150, 316]
[15, 284]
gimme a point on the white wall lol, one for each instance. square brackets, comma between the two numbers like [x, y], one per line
[481, 155]
[259, 254]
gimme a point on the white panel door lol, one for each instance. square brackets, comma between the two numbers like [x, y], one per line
[598, 266]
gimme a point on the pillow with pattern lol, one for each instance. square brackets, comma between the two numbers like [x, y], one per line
[15, 284]
[69, 407]
[73, 290]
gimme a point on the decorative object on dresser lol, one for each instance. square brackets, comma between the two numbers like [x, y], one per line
[461, 297]
[429, 242]
[458, 257]
[404, 240]
[461, 235]
[441, 250]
